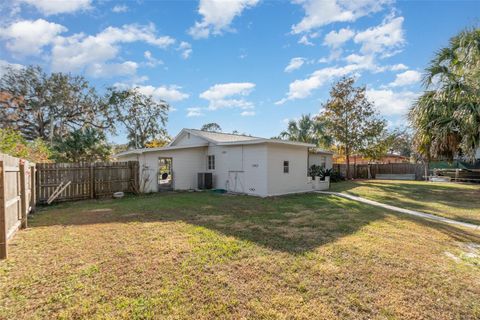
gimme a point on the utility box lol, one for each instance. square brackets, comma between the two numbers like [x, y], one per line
[205, 180]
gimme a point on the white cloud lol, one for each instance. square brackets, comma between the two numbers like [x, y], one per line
[110, 70]
[300, 89]
[28, 37]
[52, 7]
[247, 113]
[228, 95]
[305, 41]
[217, 16]
[295, 63]
[221, 91]
[194, 112]
[167, 93]
[151, 61]
[120, 8]
[79, 50]
[336, 39]
[391, 103]
[186, 49]
[385, 38]
[322, 12]
[406, 78]
[398, 67]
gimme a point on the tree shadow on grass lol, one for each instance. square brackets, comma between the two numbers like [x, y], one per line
[403, 194]
[293, 224]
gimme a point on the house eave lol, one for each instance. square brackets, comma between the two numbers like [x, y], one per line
[166, 148]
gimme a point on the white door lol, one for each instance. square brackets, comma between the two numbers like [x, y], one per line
[236, 181]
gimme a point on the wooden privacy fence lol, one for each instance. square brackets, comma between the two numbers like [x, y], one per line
[77, 181]
[17, 197]
[360, 171]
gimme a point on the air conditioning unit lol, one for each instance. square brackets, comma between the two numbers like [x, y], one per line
[205, 180]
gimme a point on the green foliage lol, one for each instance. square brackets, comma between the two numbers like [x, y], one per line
[307, 130]
[446, 117]
[12, 143]
[314, 171]
[142, 116]
[318, 171]
[402, 143]
[336, 176]
[49, 106]
[84, 145]
[351, 119]
[212, 127]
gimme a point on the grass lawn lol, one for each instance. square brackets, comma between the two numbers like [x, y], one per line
[450, 200]
[204, 256]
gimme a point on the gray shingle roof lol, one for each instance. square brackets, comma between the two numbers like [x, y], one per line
[222, 137]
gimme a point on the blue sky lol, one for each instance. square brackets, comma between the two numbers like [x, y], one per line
[249, 65]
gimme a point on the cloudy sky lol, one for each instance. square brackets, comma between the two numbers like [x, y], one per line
[249, 65]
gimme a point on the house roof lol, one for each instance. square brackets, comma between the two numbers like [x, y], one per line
[218, 138]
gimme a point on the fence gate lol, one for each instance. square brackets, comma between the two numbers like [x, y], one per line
[16, 197]
[85, 180]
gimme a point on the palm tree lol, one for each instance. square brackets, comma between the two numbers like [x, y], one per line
[308, 130]
[446, 117]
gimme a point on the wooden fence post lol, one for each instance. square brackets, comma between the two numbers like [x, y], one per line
[3, 220]
[33, 186]
[92, 181]
[23, 194]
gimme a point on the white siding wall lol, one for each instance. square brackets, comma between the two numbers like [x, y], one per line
[240, 169]
[294, 181]
[316, 159]
[255, 169]
[186, 164]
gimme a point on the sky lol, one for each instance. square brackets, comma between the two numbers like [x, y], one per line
[248, 65]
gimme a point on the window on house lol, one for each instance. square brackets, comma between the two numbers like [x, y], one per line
[211, 162]
[323, 162]
[286, 167]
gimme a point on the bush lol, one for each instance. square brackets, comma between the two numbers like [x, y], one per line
[336, 176]
[12, 143]
[315, 171]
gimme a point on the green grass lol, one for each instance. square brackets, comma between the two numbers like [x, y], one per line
[451, 200]
[204, 256]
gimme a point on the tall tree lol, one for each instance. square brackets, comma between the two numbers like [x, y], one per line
[308, 130]
[351, 119]
[49, 106]
[143, 117]
[401, 143]
[446, 117]
[212, 126]
[87, 144]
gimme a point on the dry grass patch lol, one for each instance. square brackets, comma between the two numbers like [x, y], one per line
[206, 256]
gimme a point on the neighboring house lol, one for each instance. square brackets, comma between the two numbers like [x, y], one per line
[358, 159]
[238, 163]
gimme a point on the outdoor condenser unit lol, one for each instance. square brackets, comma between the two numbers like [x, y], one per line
[205, 180]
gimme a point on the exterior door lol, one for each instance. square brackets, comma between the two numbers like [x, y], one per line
[236, 181]
[165, 174]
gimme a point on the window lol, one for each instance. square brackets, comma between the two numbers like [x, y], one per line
[323, 162]
[211, 163]
[286, 168]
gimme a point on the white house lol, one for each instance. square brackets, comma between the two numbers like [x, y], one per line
[238, 163]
